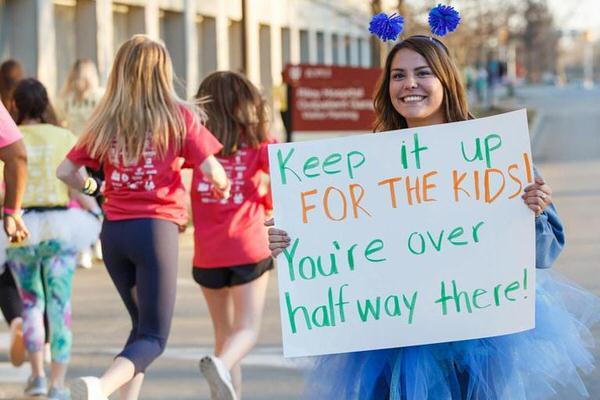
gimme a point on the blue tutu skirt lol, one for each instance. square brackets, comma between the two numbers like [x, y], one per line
[528, 365]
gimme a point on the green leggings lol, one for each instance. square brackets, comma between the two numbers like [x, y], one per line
[44, 275]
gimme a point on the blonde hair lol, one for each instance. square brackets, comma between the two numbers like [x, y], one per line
[83, 69]
[140, 103]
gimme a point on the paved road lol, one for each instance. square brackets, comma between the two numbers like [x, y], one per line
[566, 147]
[100, 327]
[567, 150]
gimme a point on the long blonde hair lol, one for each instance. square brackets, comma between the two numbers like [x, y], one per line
[139, 104]
[83, 69]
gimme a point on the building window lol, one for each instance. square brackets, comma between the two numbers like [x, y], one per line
[304, 47]
[335, 49]
[285, 47]
[348, 48]
[206, 29]
[172, 32]
[264, 50]
[127, 21]
[236, 63]
[75, 25]
[320, 48]
[360, 52]
[66, 52]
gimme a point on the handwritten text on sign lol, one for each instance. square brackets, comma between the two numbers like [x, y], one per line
[404, 238]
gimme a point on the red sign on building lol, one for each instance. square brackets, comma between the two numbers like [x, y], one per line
[324, 98]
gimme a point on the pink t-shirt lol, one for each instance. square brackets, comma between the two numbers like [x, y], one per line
[231, 232]
[152, 187]
[9, 133]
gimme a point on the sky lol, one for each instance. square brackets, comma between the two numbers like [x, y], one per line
[577, 14]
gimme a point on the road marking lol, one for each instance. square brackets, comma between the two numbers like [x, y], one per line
[271, 356]
[263, 356]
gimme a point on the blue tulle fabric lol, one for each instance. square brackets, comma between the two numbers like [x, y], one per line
[528, 365]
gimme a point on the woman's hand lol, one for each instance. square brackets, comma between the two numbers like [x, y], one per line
[214, 172]
[15, 228]
[278, 239]
[182, 227]
[537, 196]
[224, 192]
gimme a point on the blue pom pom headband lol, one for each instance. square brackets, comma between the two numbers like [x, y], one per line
[442, 20]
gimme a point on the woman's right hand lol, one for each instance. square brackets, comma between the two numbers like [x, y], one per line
[278, 239]
[15, 228]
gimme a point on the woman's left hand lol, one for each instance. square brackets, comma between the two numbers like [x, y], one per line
[222, 193]
[538, 196]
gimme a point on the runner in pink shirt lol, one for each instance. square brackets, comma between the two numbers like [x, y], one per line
[138, 135]
[231, 252]
[14, 156]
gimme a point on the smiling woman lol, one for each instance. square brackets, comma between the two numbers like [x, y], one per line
[415, 91]
[420, 86]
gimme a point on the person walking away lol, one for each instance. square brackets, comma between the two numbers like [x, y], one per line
[231, 253]
[138, 135]
[44, 263]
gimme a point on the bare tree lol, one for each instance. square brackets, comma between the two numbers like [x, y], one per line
[540, 40]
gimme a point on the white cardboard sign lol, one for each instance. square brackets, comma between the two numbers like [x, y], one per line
[407, 237]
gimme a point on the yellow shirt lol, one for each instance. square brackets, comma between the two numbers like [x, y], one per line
[47, 145]
[76, 112]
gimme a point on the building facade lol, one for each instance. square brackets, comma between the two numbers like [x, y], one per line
[258, 37]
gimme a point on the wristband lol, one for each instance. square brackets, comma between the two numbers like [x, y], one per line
[10, 211]
[15, 216]
[91, 187]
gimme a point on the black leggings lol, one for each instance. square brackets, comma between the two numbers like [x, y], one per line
[10, 301]
[141, 256]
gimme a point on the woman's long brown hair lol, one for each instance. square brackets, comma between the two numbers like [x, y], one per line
[235, 110]
[438, 58]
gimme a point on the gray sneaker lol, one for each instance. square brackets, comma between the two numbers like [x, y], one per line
[36, 386]
[59, 394]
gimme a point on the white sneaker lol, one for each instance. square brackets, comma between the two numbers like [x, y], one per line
[84, 258]
[218, 377]
[87, 388]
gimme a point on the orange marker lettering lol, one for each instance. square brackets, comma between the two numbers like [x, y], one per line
[456, 184]
[326, 204]
[391, 182]
[305, 207]
[356, 201]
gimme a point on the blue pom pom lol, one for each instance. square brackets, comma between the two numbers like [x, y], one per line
[386, 28]
[443, 20]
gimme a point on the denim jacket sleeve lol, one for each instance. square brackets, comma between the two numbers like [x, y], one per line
[549, 236]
